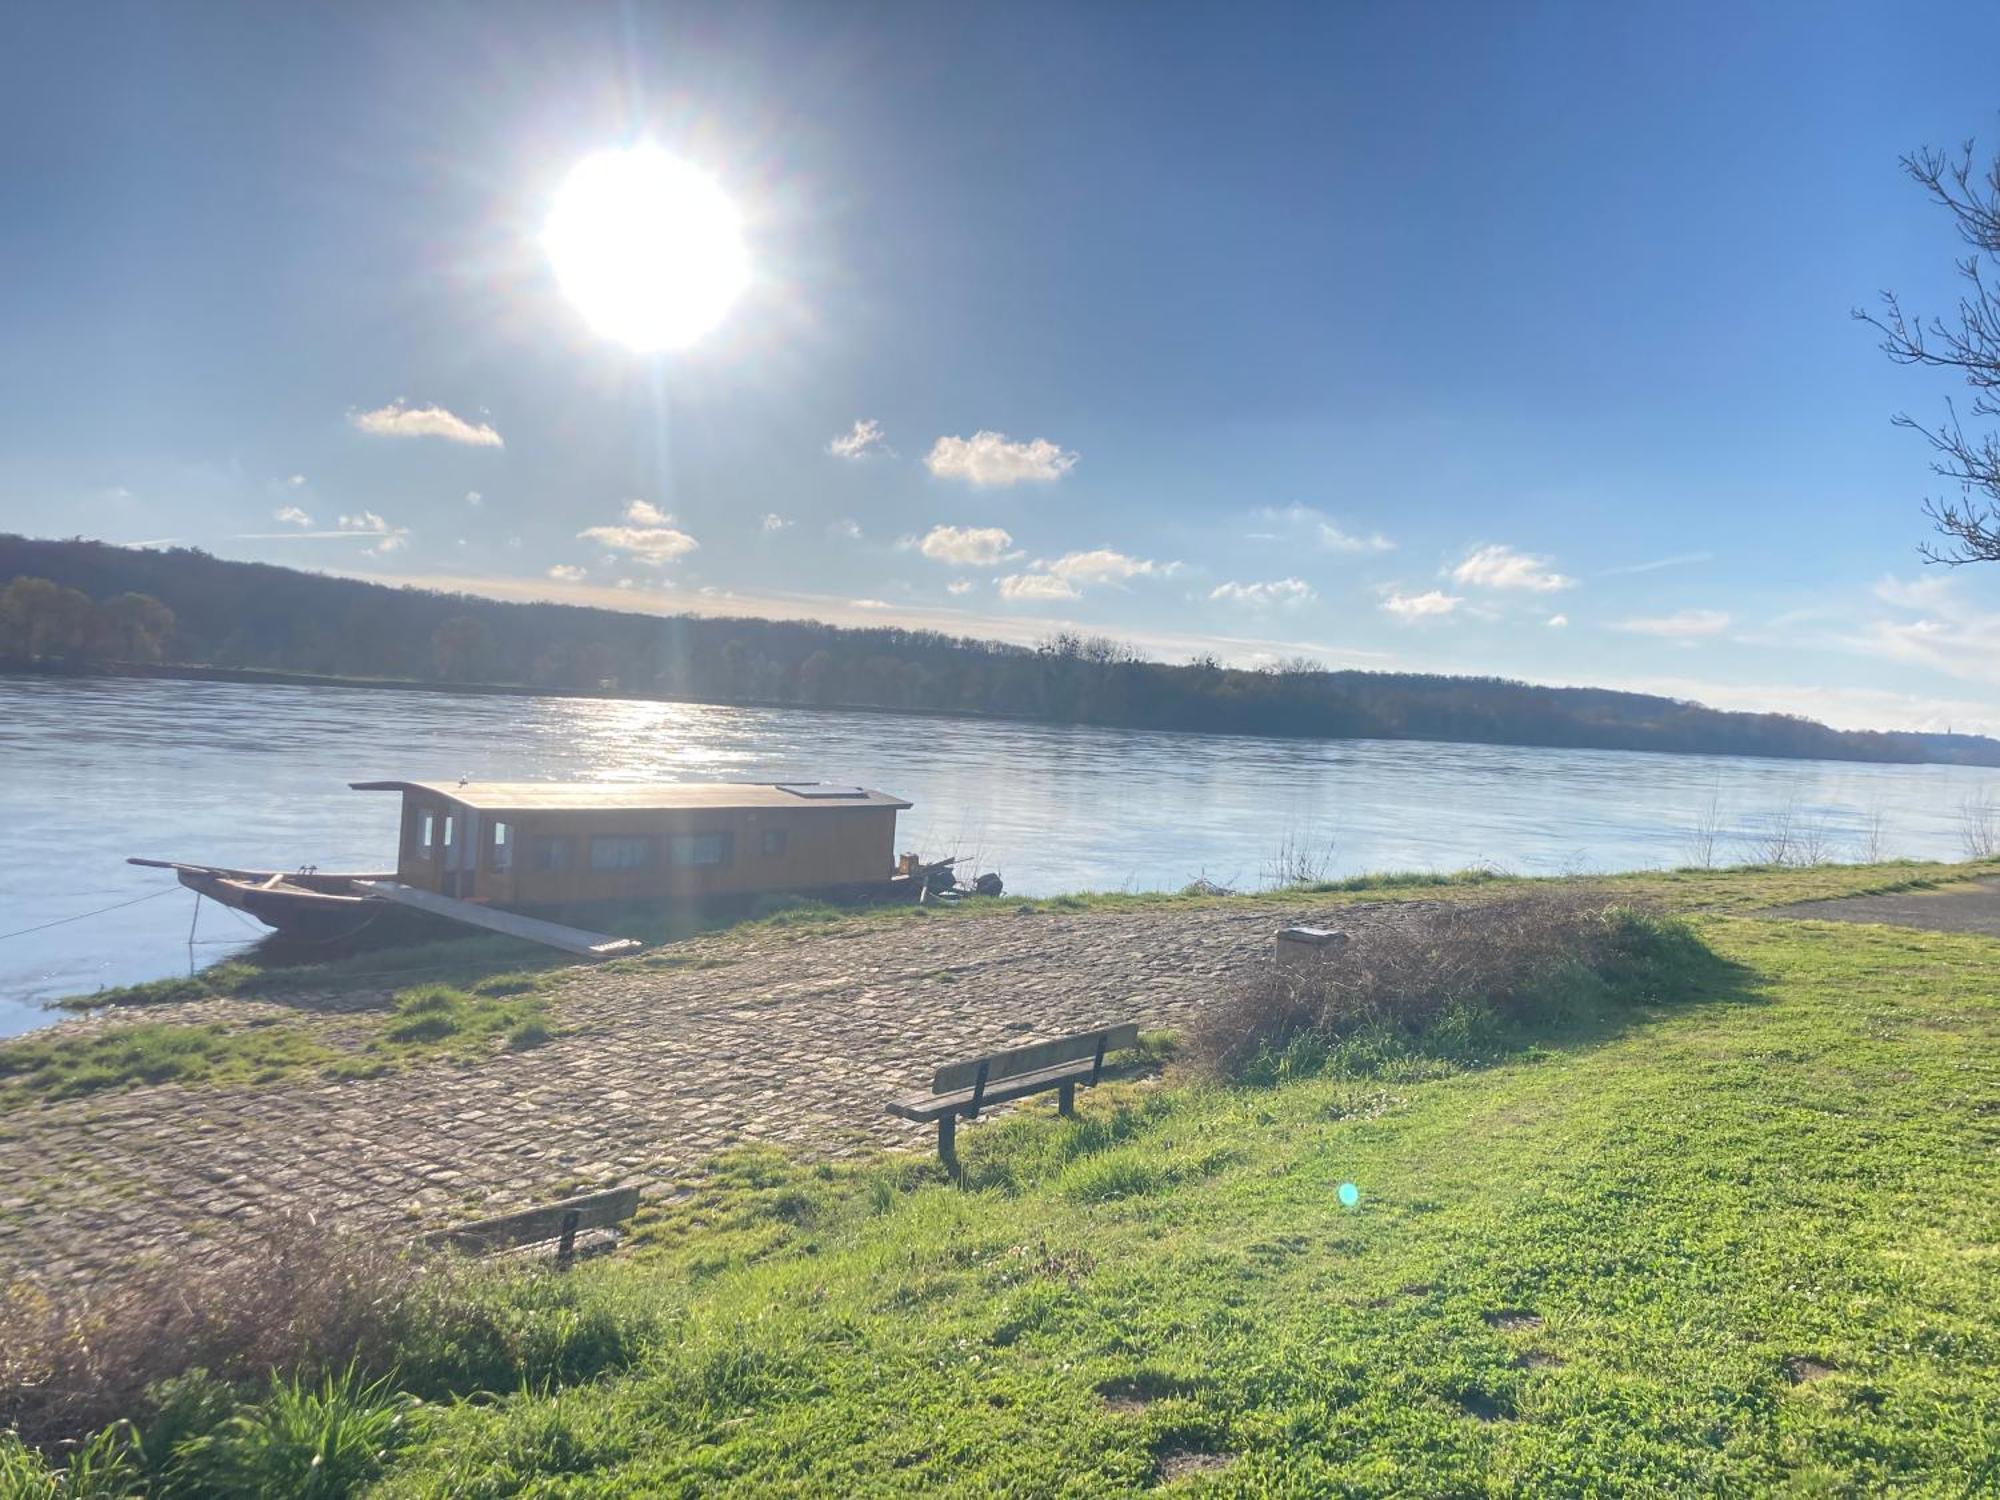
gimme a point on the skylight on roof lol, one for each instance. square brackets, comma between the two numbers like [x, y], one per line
[819, 789]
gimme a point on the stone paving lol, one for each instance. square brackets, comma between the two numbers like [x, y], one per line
[793, 1038]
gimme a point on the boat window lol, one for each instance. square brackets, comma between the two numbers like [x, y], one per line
[503, 847]
[617, 851]
[700, 848]
[423, 834]
[547, 853]
[773, 841]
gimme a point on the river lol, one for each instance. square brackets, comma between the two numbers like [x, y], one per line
[94, 770]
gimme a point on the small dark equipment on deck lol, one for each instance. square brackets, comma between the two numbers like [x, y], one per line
[965, 1088]
[576, 1226]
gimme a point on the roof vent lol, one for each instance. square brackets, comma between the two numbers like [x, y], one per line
[819, 789]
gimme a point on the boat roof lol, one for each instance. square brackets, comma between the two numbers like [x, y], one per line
[637, 796]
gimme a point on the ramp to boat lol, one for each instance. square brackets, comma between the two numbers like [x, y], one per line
[532, 929]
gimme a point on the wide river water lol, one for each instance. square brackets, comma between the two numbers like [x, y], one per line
[91, 771]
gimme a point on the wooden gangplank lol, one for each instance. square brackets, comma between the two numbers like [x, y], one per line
[513, 924]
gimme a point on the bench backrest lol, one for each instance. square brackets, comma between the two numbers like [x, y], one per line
[977, 1072]
[533, 1225]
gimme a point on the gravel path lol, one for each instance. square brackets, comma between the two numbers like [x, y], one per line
[1971, 907]
[790, 1038]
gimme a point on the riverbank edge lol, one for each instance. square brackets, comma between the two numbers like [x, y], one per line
[476, 959]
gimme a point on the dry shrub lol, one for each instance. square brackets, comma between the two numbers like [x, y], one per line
[73, 1358]
[1453, 975]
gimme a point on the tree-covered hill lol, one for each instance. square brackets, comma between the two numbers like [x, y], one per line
[255, 615]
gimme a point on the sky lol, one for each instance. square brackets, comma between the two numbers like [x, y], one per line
[1492, 338]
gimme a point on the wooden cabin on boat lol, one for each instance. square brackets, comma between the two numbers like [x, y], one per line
[531, 845]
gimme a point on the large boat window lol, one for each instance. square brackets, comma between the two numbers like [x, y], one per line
[613, 851]
[503, 847]
[700, 849]
[547, 853]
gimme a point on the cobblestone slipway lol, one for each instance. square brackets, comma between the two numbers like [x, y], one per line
[790, 1038]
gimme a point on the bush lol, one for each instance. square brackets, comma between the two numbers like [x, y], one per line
[1451, 983]
[319, 1349]
[76, 1358]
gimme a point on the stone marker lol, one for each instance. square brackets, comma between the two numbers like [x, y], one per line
[1305, 946]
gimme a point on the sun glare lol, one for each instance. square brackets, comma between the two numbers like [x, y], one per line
[647, 248]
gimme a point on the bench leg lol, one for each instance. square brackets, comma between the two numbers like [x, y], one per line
[566, 1246]
[1066, 1099]
[948, 1145]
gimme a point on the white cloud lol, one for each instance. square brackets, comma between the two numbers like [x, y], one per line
[959, 586]
[1062, 578]
[1558, 622]
[847, 527]
[1931, 625]
[1328, 532]
[1433, 604]
[1103, 565]
[968, 546]
[291, 515]
[567, 573]
[1500, 567]
[367, 520]
[654, 545]
[992, 459]
[473, 497]
[1037, 586]
[772, 521]
[871, 604]
[399, 419]
[1264, 595]
[1682, 625]
[297, 481]
[860, 440]
[641, 513]
[1334, 539]
[1679, 560]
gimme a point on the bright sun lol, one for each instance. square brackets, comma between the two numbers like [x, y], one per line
[648, 248]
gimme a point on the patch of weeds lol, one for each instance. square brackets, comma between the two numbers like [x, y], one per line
[64, 1067]
[438, 1018]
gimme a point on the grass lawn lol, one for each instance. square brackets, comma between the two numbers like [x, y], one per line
[1746, 1243]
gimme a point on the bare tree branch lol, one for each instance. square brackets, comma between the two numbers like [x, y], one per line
[1969, 343]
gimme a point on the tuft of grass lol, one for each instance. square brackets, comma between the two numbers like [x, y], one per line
[64, 1067]
[314, 1441]
[436, 1019]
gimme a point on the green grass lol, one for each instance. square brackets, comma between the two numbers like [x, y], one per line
[1739, 1244]
[153, 1052]
[1737, 1238]
[424, 1023]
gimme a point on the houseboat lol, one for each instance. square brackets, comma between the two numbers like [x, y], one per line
[520, 856]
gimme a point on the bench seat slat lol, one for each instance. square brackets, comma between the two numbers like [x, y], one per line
[1036, 1057]
[531, 1226]
[925, 1107]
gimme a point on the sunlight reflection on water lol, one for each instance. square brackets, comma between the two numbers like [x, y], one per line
[93, 771]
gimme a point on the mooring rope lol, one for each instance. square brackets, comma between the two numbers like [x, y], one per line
[115, 906]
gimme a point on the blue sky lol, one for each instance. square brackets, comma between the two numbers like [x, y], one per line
[1495, 338]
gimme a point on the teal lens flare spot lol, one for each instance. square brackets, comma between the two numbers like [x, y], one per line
[1349, 1194]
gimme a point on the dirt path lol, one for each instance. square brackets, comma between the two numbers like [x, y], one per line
[1971, 907]
[795, 1039]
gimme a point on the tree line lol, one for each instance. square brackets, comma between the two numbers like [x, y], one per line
[76, 603]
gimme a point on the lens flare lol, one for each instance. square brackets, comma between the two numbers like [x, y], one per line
[646, 247]
[1349, 1195]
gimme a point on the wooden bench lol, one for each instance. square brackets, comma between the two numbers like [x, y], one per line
[965, 1088]
[585, 1225]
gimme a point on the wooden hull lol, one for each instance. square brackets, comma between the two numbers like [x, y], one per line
[306, 904]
